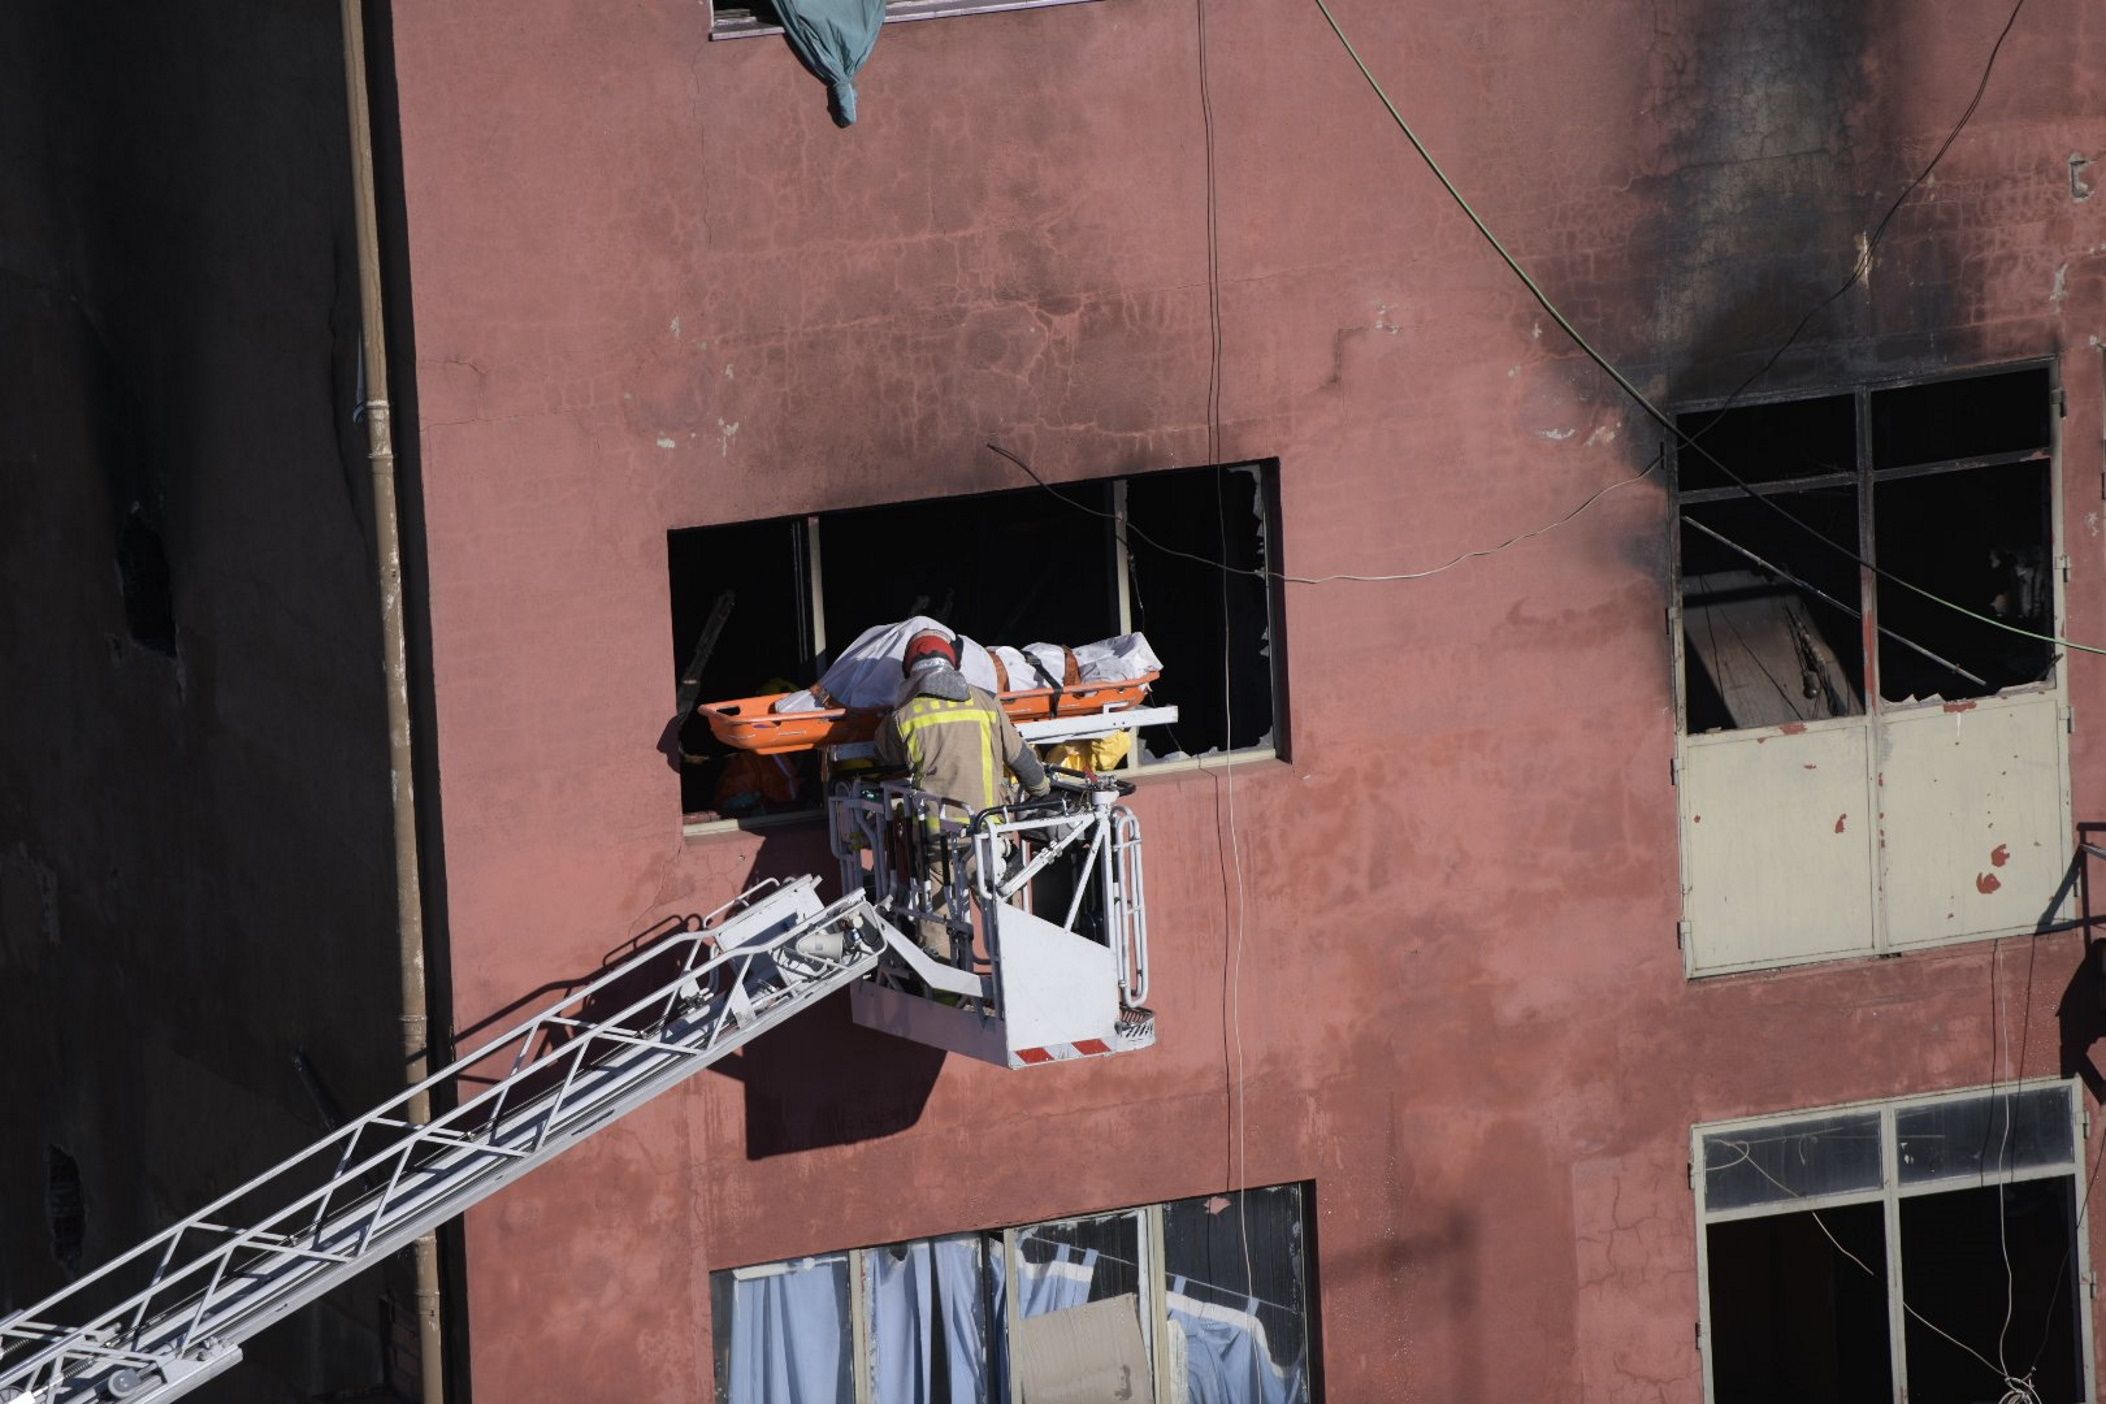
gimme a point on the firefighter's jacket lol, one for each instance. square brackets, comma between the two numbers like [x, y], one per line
[954, 740]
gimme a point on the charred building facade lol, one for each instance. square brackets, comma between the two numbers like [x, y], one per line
[1617, 891]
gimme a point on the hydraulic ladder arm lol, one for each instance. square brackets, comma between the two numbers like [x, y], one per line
[172, 1313]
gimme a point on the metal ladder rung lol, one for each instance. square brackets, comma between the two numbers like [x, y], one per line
[274, 1242]
[444, 1137]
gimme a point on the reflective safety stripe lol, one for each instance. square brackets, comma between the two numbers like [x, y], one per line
[924, 712]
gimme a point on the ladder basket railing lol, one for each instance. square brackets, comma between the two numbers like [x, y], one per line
[320, 1215]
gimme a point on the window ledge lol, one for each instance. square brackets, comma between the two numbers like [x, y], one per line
[692, 827]
[747, 27]
[1192, 765]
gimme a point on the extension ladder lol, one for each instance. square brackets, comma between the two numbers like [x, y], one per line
[172, 1313]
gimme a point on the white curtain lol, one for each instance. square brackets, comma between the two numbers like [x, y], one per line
[1227, 1358]
[1056, 1285]
[789, 1335]
[913, 1288]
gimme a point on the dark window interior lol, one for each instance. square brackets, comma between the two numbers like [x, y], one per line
[1946, 419]
[1761, 645]
[1954, 1249]
[1978, 538]
[1019, 567]
[1792, 1317]
[1200, 619]
[758, 571]
[1004, 568]
[1768, 443]
[1758, 649]
[65, 1211]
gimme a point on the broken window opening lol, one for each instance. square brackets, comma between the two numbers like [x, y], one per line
[1792, 1317]
[1976, 417]
[144, 581]
[1211, 627]
[1012, 568]
[65, 1209]
[1955, 477]
[1016, 567]
[1979, 538]
[1953, 1249]
[1760, 648]
[741, 628]
[1943, 1235]
[1769, 443]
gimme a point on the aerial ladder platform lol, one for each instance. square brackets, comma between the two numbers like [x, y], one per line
[1041, 904]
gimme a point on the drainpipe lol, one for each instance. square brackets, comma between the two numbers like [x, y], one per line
[387, 550]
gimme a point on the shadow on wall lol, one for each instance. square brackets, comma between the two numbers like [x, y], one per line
[2080, 1014]
[821, 1080]
[818, 1081]
[1445, 1253]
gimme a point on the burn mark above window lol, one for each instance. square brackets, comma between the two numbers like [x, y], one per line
[1943, 485]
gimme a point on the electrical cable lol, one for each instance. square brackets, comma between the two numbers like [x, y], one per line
[1260, 572]
[1232, 914]
[1639, 397]
[2018, 1389]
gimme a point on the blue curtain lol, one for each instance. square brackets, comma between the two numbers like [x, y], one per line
[834, 39]
[913, 1288]
[789, 1336]
[1227, 1358]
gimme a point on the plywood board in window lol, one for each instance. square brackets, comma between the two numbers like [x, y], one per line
[1776, 843]
[1977, 836]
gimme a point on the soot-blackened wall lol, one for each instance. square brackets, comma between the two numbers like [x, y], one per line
[193, 786]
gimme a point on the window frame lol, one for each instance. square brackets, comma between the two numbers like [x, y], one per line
[739, 22]
[816, 648]
[1151, 1268]
[1889, 1194]
[1863, 478]
[1878, 713]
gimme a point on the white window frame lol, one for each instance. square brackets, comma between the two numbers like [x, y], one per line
[1890, 1193]
[1132, 768]
[730, 21]
[1878, 713]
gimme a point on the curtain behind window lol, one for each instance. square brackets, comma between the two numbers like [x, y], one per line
[929, 1326]
[789, 1341]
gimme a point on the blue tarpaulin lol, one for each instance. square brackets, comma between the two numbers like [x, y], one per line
[834, 38]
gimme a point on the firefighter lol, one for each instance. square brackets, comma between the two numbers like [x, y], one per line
[953, 740]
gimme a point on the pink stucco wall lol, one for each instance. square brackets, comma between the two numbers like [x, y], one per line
[654, 287]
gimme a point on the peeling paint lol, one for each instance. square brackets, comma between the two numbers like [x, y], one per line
[1839, 821]
[666, 442]
[1999, 855]
[1556, 435]
[1986, 883]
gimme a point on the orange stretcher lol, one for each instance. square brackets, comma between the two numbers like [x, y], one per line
[752, 724]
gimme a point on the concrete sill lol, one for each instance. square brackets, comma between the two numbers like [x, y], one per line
[731, 23]
[694, 827]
